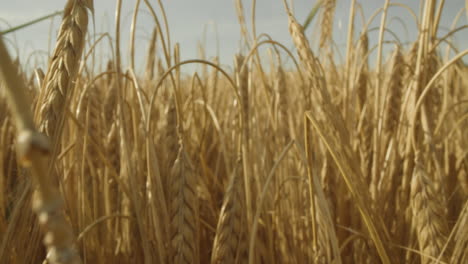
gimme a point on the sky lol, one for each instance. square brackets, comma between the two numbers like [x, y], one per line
[205, 21]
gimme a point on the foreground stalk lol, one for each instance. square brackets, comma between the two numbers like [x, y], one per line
[33, 149]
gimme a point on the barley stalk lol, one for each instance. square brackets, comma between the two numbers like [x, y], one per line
[33, 150]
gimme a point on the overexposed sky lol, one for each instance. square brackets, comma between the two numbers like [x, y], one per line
[188, 19]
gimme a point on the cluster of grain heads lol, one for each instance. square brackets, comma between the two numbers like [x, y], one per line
[305, 54]
[377, 230]
[156, 165]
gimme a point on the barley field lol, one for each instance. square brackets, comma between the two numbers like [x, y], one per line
[318, 160]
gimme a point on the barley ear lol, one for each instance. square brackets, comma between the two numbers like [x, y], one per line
[428, 215]
[63, 65]
[460, 250]
[327, 22]
[151, 60]
[242, 80]
[394, 95]
[183, 211]
[363, 70]
[228, 231]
